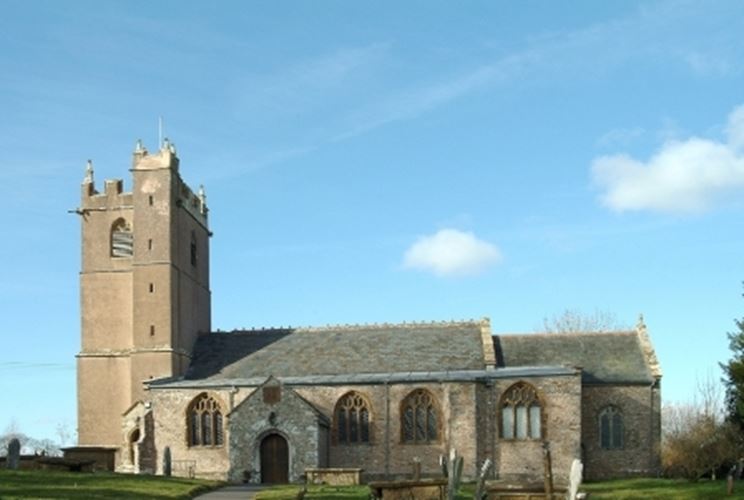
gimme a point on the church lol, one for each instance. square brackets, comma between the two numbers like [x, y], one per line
[158, 390]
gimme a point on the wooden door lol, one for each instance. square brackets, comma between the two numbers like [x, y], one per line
[274, 459]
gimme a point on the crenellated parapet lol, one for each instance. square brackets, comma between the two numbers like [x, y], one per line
[113, 196]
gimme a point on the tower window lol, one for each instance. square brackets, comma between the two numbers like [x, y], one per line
[193, 249]
[122, 239]
[149, 244]
[150, 200]
[152, 330]
[152, 287]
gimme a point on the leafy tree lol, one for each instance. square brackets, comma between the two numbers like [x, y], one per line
[734, 376]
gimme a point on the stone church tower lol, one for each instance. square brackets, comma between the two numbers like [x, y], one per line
[144, 288]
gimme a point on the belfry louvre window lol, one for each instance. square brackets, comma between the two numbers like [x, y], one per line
[611, 428]
[122, 239]
[351, 419]
[419, 418]
[205, 422]
[521, 413]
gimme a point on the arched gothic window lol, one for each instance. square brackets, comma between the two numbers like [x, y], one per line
[610, 428]
[420, 418]
[521, 413]
[352, 416]
[122, 239]
[205, 423]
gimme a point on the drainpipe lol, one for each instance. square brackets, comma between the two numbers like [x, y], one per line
[387, 430]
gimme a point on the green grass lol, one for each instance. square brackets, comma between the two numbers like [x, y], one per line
[625, 489]
[48, 484]
[660, 489]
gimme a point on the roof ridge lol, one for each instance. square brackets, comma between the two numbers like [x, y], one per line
[385, 325]
[359, 326]
[566, 334]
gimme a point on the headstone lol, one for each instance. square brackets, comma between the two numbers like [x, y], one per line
[480, 487]
[14, 454]
[167, 461]
[454, 474]
[416, 468]
[574, 478]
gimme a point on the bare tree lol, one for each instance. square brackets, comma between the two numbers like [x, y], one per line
[696, 438]
[575, 321]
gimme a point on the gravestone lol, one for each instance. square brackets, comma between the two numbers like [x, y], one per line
[574, 478]
[167, 468]
[14, 453]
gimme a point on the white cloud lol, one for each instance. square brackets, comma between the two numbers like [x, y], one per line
[682, 176]
[450, 252]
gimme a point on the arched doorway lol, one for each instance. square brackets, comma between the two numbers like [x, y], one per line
[133, 438]
[274, 459]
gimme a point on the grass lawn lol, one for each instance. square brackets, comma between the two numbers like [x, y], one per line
[47, 484]
[626, 489]
[660, 489]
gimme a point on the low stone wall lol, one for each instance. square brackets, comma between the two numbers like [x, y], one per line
[336, 476]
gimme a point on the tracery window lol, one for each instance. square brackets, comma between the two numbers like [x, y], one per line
[122, 239]
[205, 422]
[521, 413]
[352, 416]
[610, 428]
[419, 418]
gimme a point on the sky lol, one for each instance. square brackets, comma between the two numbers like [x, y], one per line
[385, 162]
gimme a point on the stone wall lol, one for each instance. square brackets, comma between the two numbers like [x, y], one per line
[640, 453]
[469, 422]
[256, 417]
[169, 410]
[561, 420]
[386, 455]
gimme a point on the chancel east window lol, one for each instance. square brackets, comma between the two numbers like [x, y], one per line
[351, 419]
[521, 413]
[122, 239]
[420, 418]
[205, 423]
[610, 428]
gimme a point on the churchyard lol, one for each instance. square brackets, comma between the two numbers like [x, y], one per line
[75, 485]
[93, 486]
[622, 489]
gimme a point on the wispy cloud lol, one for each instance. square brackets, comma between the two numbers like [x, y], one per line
[682, 176]
[367, 96]
[620, 137]
[450, 252]
[308, 83]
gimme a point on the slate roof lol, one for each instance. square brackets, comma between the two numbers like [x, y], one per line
[615, 357]
[341, 350]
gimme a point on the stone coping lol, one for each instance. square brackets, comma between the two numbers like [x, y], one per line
[407, 483]
[333, 469]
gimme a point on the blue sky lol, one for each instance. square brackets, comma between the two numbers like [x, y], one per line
[386, 162]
